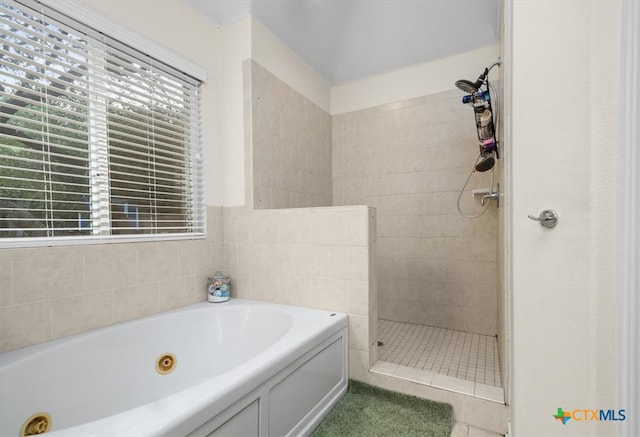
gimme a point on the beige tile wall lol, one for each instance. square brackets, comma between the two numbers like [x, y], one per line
[410, 159]
[312, 257]
[47, 293]
[291, 145]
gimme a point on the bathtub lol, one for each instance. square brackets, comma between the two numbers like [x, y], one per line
[237, 368]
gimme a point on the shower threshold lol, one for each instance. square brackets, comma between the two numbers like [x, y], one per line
[457, 361]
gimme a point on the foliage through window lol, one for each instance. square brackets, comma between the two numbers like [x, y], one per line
[96, 139]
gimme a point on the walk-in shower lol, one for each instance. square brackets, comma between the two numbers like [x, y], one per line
[453, 344]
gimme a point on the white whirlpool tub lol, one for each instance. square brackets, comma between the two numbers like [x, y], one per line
[240, 368]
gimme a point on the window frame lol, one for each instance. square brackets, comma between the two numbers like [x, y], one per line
[127, 38]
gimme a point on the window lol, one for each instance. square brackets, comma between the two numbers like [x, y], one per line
[97, 140]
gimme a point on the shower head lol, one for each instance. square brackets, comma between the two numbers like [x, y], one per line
[469, 87]
[486, 164]
[473, 87]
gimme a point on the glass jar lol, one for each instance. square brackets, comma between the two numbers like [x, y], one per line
[218, 287]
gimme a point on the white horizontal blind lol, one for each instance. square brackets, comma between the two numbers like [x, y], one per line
[96, 139]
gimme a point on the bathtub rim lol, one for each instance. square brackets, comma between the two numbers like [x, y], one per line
[8, 358]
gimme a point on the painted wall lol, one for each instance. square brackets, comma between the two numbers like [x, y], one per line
[410, 159]
[235, 47]
[564, 140]
[415, 81]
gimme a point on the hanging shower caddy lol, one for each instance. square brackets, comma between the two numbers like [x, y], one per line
[486, 128]
[481, 101]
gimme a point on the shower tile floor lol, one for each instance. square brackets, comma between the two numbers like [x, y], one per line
[453, 360]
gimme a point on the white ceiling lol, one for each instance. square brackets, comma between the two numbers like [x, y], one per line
[345, 40]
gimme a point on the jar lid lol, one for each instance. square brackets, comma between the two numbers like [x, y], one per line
[220, 275]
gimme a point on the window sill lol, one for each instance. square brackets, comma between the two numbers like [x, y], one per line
[20, 243]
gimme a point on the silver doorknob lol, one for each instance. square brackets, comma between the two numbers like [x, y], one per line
[547, 218]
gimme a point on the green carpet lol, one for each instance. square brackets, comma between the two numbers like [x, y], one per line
[368, 411]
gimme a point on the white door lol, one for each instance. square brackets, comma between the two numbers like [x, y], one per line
[564, 62]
